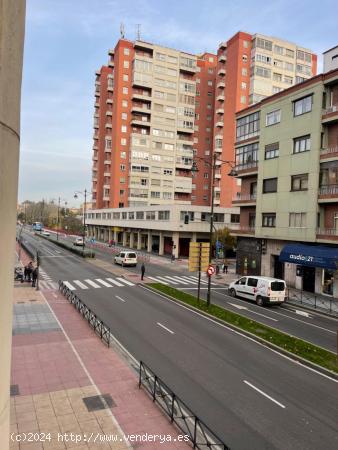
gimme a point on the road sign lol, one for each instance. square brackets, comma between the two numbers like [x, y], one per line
[211, 270]
[198, 256]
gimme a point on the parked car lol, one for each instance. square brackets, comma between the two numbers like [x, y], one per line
[78, 241]
[262, 290]
[126, 259]
[45, 233]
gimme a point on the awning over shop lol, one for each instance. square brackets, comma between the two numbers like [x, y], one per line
[310, 255]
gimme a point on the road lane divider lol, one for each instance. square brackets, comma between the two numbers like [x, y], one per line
[120, 298]
[165, 328]
[264, 394]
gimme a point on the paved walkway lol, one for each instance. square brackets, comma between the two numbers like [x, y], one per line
[65, 380]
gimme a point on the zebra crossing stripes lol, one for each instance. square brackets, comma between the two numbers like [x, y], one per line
[93, 284]
[81, 285]
[111, 280]
[125, 281]
[48, 285]
[104, 283]
[69, 286]
[161, 279]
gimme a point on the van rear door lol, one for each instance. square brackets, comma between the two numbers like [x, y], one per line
[277, 291]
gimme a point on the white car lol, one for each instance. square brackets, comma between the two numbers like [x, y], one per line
[45, 233]
[78, 241]
[126, 259]
[262, 290]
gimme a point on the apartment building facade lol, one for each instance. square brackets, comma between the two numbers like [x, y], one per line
[153, 113]
[251, 68]
[287, 159]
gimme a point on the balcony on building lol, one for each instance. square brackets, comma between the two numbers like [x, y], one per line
[330, 101]
[106, 198]
[108, 125]
[140, 120]
[94, 189]
[109, 113]
[95, 157]
[96, 135]
[222, 45]
[220, 85]
[330, 114]
[219, 124]
[111, 62]
[247, 168]
[189, 68]
[185, 138]
[106, 186]
[94, 179]
[220, 111]
[139, 131]
[143, 46]
[328, 182]
[184, 163]
[141, 80]
[182, 129]
[141, 94]
[217, 201]
[95, 147]
[97, 104]
[144, 53]
[222, 58]
[182, 173]
[109, 101]
[221, 72]
[244, 199]
[106, 174]
[97, 92]
[182, 197]
[329, 152]
[183, 187]
[217, 174]
[328, 193]
[327, 230]
[220, 98]
[143, 107]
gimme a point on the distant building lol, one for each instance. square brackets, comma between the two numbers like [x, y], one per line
[331, 59]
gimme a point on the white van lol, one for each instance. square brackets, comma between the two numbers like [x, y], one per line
[78, 241]
[262, 290]
[126, 259]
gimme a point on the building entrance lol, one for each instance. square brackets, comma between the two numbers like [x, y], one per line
[309, 279]
[278, 268]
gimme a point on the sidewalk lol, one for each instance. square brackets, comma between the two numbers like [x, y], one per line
[65, 380]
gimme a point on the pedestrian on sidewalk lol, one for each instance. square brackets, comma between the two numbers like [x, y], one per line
[34, 276]
[25, 273]
[225, 266]
[30, 268]
[143, 269]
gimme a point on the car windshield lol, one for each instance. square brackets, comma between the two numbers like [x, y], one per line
[131, 255]
[277, 285]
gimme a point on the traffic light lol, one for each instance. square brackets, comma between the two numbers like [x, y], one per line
[186, 219]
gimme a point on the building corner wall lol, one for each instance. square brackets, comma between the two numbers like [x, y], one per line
[12, 16]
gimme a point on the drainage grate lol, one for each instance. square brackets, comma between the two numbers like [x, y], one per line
[14, 390]
[97, 402]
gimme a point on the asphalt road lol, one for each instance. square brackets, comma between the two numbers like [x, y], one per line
[249, 395]
[310, 326]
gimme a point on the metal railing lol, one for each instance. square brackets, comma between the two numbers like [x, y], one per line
[329, 189]
[316, 301]
[328, 150]
[327, 231]
[99, 327]
[199, 433]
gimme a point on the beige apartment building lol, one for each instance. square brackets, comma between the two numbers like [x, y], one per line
[287, 160]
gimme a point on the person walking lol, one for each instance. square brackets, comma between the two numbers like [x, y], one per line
[25, 273]
[143, 269]
[34, 276]
[30, 268]
[225, 266]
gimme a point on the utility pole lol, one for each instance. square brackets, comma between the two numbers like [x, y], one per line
[84, 219]
[211, 221]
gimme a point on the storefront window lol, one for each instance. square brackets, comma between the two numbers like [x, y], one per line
[328, 282]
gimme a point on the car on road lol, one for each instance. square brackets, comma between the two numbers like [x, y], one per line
[126, 259]
[262, 290]
[45, 233]
[78, 241]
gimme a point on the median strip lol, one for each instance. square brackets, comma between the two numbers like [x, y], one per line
[301, 349]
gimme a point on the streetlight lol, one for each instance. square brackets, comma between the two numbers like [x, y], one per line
[232, 173]
[58, 215]
[84, 193]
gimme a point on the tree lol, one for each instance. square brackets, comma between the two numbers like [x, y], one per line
[225, 238]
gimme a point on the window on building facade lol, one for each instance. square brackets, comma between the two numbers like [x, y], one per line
[123, 141]
[247, 126]
[124, 128]
[125, 90]
[122, 167]
[272, 150]
[288, 80]
[243, 99]
[289, 53]
[243, 85]
[262, 43]
[302, 106]
[167, 195]
[279, 50]
[126, 51]
[269, 220]
[126, 64]
[302, 144]
[131, 216]
[122, 193]
[276, 89]
[234, 218]
[108, 144]
[164, 215]
[244, 58]
[297, 220]
[244, 71]
[299, 182]
[125, 103]
[191, 215]
[139, 215]
[269, 185]
[289, 66]
[273, 117]
[247, 156]
[125, 77]
[124, 116]
[277, 77]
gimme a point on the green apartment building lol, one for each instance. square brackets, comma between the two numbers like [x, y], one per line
[287, 163]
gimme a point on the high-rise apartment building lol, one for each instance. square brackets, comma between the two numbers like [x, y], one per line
[251, 68]
[287, 159]
[150, 119]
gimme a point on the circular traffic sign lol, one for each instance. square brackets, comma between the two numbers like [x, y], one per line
[211, 270]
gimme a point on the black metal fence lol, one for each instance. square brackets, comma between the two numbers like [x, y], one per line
[200, 434]
[100, 328]
[322, 303]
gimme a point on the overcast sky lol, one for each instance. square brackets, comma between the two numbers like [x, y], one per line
[68, 40]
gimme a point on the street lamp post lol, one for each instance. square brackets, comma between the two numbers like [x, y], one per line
[58, 217]
[213, 168]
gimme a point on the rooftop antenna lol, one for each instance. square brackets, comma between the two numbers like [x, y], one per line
[122, 30]
[138, 32]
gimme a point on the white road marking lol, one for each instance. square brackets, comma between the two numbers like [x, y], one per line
[244, 336]
[303, 313]
[159, 280]
[122, 300]
[69, 286]
[196, 279]
[103, 282]
[202, 288]
[165, 328]
[237, 306]
[253, 312]
[263, 393]
[184, 280]
[95, 285]
[114, 282]
[175, 281]
[82, 286]
[123, 280]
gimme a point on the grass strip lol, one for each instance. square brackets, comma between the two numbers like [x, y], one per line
[294, 345]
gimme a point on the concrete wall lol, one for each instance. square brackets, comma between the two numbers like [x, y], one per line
[12, 14]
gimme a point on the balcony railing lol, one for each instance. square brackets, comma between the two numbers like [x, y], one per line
[331, 189]
[328, 150]
[247, 165]
[331, 109]
[244, 197]
[327, 232]
[247, 229]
